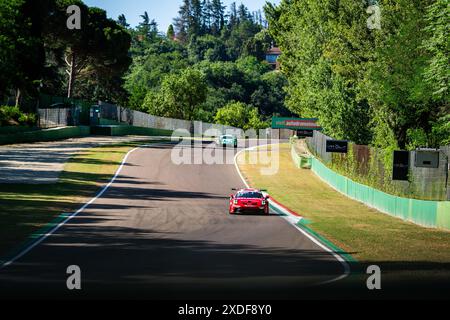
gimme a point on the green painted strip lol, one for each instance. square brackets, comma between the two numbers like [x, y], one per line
[347, 256]
[279, 212]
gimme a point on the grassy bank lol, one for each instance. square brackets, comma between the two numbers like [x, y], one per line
[368, 235]
[26, 208]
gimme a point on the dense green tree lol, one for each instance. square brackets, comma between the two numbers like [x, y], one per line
[365, 84]
[21, 46]
[394, 81]
[437, 71]
[269, 97]
[437, 43]
[179, 96]
[318, 62]
[246, 80]
[207, 47]
[161, 58]
[240, 115]
[99, 50]
[238, 39]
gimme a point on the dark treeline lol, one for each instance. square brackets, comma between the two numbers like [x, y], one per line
[39, 54]
[210, 59]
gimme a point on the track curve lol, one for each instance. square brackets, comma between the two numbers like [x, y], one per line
[162, 231]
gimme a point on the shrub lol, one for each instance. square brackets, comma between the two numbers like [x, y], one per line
[13, 116]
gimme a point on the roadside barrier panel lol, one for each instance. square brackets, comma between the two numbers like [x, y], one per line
[16, 129]
[45, 135]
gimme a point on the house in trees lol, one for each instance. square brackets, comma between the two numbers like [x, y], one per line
[272, 56]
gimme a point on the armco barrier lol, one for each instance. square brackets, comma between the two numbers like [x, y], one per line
[45, 135]
[432, 214]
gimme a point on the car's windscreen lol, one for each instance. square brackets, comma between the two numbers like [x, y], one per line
[227, 137]
[249, 195]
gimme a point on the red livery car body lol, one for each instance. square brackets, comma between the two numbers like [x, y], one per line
[249, 200]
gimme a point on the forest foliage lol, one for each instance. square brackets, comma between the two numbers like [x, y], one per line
[210, 58]
[385, 86]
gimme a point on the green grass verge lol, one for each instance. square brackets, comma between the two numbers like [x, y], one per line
[25, 209]
[368, 235]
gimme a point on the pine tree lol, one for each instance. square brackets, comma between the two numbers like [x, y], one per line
[218, 16]
[207, 12]
[171, 32]
[243, 14]
[147, 29]
[233, 19]
[122, 20]
[181, 23]
[196, 18]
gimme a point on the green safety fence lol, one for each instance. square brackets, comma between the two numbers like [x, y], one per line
[432, 214]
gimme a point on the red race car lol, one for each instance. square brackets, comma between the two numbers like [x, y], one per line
[249, 200]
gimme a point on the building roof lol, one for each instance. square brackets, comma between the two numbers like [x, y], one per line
[274, 50]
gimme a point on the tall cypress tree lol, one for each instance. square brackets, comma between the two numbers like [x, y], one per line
[207, 12]
[171, 32]
[181, 22]
[196, 18]
[233, 18]
[218, 16]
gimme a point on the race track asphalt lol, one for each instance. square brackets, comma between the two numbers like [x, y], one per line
[162, 231]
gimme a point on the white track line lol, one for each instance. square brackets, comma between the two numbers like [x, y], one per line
[292, 220]
[52, 231]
